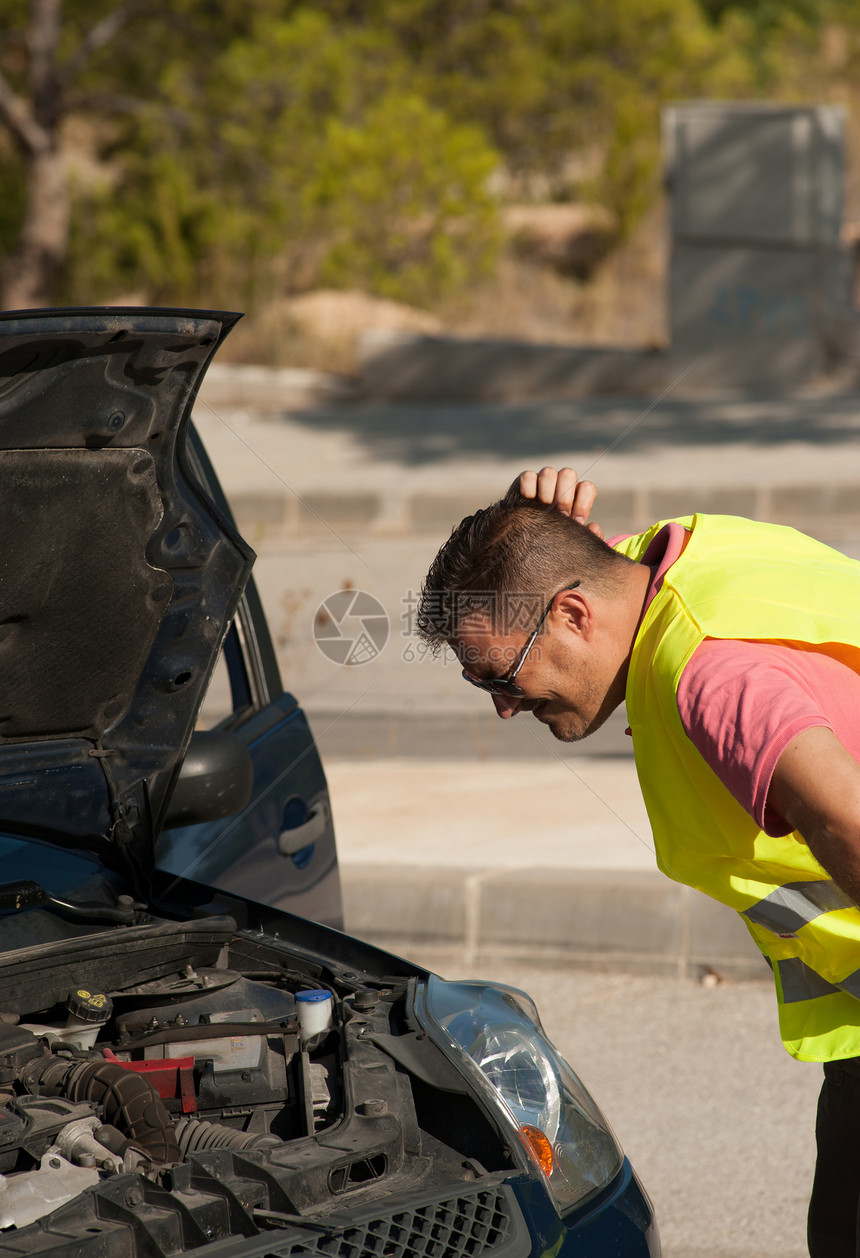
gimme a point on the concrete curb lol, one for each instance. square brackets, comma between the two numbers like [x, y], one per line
[268, 518]
[641, 922]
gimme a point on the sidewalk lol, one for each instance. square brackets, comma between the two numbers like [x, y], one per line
[460, 835]
[469, 864]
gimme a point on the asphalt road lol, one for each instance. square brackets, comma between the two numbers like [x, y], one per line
[715, 1116]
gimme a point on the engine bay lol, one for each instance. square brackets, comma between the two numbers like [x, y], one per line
[223, 1088]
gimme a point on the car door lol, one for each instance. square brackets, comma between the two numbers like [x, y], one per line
[280, 849]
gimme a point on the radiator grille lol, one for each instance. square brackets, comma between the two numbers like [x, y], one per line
[466, 1226]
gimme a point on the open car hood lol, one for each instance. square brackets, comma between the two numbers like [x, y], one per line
[118, 578]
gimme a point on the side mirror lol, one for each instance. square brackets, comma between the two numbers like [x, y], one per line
[215, 781]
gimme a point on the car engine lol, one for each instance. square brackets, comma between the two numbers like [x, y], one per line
[224, 1089]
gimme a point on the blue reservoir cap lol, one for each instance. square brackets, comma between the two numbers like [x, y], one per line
[311, 996]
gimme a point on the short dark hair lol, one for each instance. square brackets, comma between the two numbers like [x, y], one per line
[504, 555]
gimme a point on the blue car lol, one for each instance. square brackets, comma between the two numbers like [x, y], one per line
[193, 1056]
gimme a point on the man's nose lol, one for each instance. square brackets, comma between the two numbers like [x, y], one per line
[505, 706]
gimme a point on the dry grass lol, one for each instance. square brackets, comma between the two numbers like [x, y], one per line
[622, 304]
[320, 330]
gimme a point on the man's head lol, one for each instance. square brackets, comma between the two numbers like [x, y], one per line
[539, 611]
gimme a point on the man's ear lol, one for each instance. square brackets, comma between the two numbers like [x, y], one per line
[575, 612]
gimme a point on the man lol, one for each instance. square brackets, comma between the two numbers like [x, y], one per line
[736, 647]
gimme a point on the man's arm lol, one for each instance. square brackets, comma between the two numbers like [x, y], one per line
[816, 788]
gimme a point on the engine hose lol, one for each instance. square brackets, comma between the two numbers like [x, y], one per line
[195, 1134]
[128, 1101]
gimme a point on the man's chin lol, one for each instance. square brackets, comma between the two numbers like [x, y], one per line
[570, 729]
[564, 729]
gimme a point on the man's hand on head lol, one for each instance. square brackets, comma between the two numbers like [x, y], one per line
[562, 489]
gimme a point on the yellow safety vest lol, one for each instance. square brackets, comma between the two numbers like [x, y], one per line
[760, 582]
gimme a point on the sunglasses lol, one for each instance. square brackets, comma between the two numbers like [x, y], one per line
[507, 685]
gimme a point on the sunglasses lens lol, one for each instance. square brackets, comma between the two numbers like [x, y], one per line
[496, 686]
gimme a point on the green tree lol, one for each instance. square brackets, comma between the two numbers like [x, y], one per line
[225, 152]
[80, 62]
[569, 94]
[298, 154]
[405, 195]
[35, 222]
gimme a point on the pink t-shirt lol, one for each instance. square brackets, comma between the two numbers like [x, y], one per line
[742, 703]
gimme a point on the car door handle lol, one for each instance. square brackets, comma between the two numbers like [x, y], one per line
[312, 828]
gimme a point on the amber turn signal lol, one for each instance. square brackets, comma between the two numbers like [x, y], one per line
[539, 1147]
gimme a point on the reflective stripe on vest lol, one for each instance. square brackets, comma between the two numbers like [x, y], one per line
[791, 906]
[801, 983]
[798, 982]
[756, 582]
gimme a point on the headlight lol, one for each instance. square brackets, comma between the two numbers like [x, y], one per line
[495, 1037]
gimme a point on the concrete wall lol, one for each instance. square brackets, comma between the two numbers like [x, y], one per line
[756, 217]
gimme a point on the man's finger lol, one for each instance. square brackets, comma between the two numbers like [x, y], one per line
[526, 483]
[584, 499]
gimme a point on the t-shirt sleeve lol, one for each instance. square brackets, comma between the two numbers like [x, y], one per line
[741, 704]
